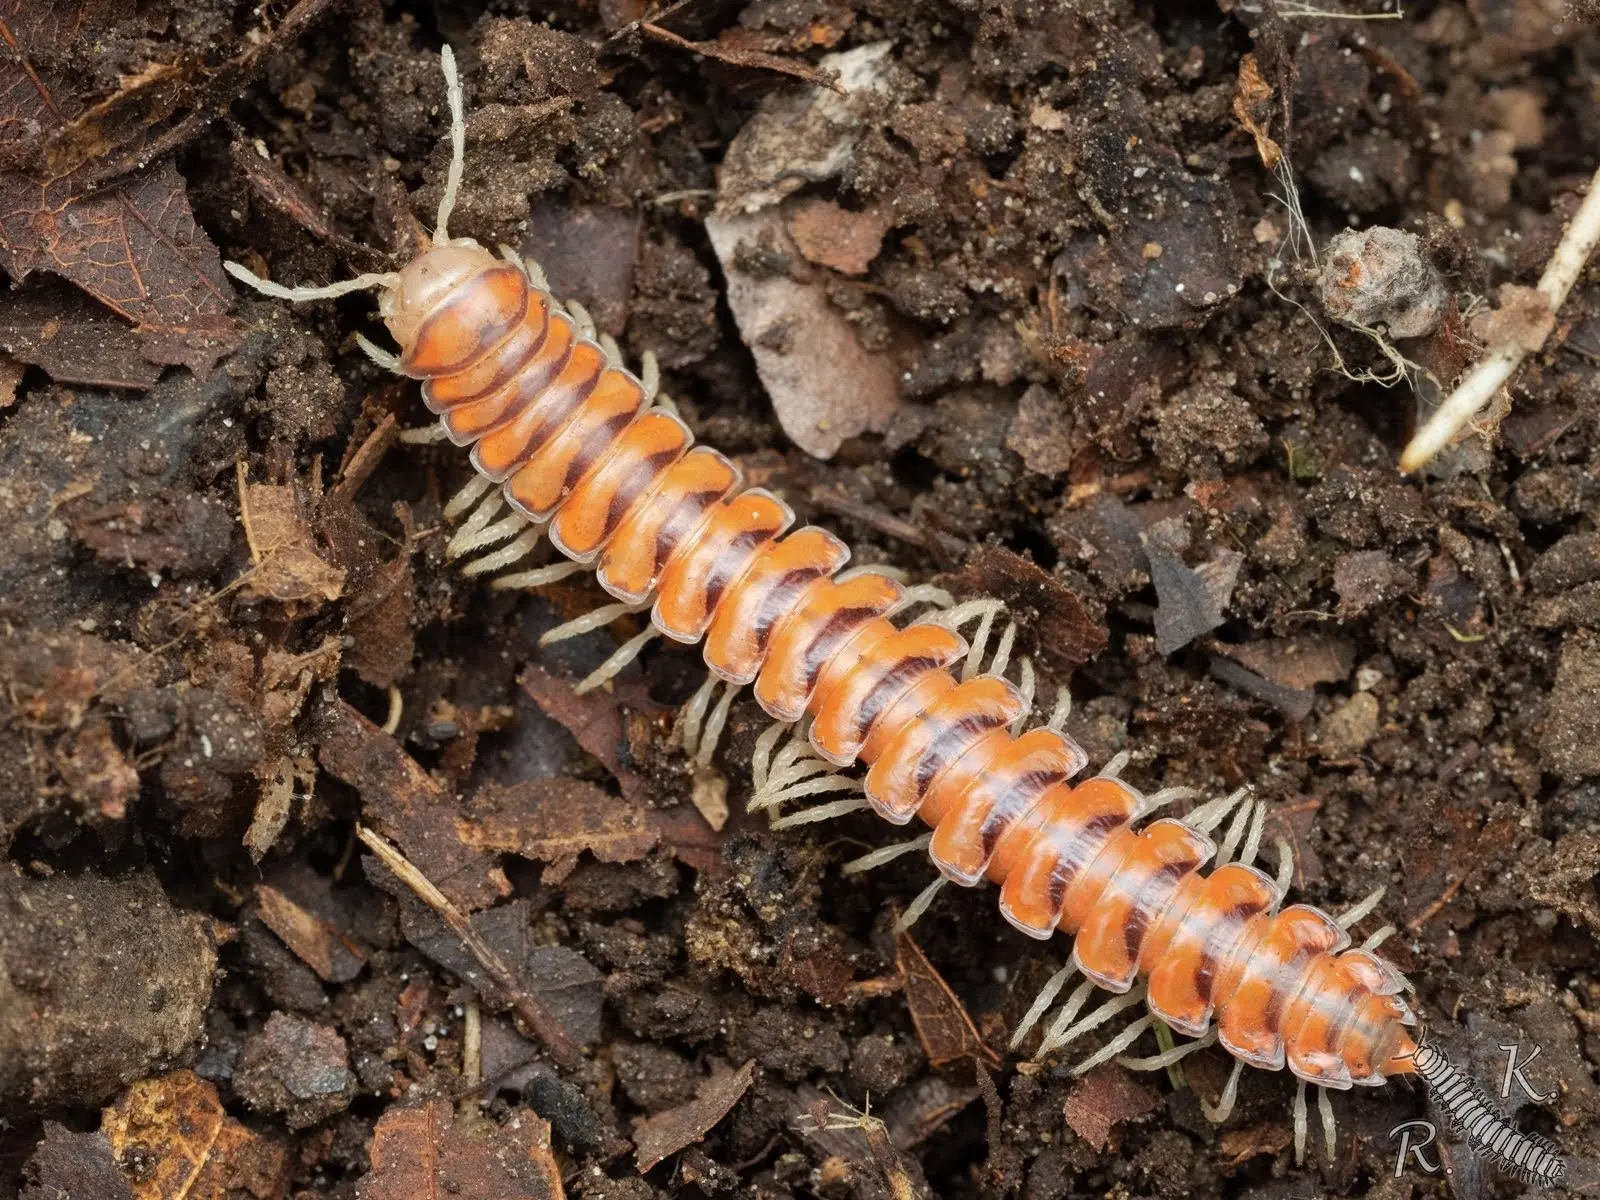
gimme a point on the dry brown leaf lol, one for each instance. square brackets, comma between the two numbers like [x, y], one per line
[1296, 662]
[404, 804]
[836, 237]
[172, 1138]
[1054, 625]
[287, 565]
[425, 1152]
[1105, 1098]
[1270, 1137]
[554, 821]
[593, 721]
[943, 1026]
[668, 1132]
[737, 56]
[1252, 106]
[333, 956]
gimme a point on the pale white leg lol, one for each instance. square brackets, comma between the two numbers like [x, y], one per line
[1002, 653]
[471, 492]
[465, 543]
[1300, 1121]
[884, 854]
[822, 812]
[587, 623]
[1212, 813]
[1160, 1062]
[650, 376]
[761, 756]
[1252, 844]
[714, 724]
[1055, 1036]
[426, 435]
[980, 639]
[458, 144]
[1285, 867]
[1062, 710]
[1042, 1002]
[1379, 938]
[1114, 768]
[614, 354]
[922, 593]
[1115, 1046]
[920, 905]
[517, 548]
[1330, 1130]
[1351, 916]
[537, 578]
[625, 654]
[581, 318]
[384, 358]
[776, 799]
[1100, 1016]
[330, 291]
[694, 714]
[1235, 832]
[1161, 799]
[1223, 1109]
[1025, 689]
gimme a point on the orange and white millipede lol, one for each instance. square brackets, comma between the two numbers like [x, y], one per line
[568, 444]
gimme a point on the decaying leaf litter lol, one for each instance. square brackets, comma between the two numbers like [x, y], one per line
[1023, 277]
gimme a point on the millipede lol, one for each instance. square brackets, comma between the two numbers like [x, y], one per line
[567, 443]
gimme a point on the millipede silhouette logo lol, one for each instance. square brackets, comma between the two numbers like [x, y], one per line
[567, 442]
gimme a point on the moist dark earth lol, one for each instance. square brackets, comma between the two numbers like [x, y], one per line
[1020, 305]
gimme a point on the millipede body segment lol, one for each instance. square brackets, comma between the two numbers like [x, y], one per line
[574, 445]
[569, 440]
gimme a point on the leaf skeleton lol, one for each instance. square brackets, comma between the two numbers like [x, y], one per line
[567, 443]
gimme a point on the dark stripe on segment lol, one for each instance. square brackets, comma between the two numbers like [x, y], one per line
[685, 516]
[879, 697]
[1065, 871]
[948, 744]
[728, 560]
[491, 335]
[566, 404]
[644, 473]
[531, 385]
[1026, 789]
[1205, 973]
[594, 446]
[828, 639]
[1141, 915]
[777, 601]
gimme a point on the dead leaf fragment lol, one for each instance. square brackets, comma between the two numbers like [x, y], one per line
[287, 565]
[1104, 1099]
[1297, 662]
[554, 821]
[426, 1151]
[943, 1026]
[593, 720]
[836, 237]
[174, 1141]
[1054, 624]
[824, 384]
[333, 956]
[668, 1132]
[1252, 106]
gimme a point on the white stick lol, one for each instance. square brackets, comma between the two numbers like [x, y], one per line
[1484, 381]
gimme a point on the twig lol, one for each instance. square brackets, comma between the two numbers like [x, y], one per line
[544, 1026]
[754, 59]
[1484, 381]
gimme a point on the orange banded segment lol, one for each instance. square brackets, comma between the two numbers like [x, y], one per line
[471, 394]
[711, 562]
[551, 472]
[1250, 1011]
[878, 667]
[637, 463]
[467, 323]
[1182, 978]
[631, 564]
[822, 623]
[737, 642]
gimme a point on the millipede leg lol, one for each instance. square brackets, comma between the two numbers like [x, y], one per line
[776, 798]
[1026, 688]
[624, 654]
[920, 905]
[1115, 1046]
[1330, 1130]
[384, 358]
[537, 578]
[1379, 937]
[1159, 1062]
[761, 756]
[650, 376]
[587, 623]
[884, 854]
[426, 435]
[714, 724]
[471, 492]
[1285, 866]
[1046, 997]
[1252, 844]
[1002, 652]
[822, 812]
[694, 714]
[1161, 799]
[458, 143]
[980, 640]
[1062, 710]
[1300, 1122]
[1214, 812]
[1235, 832]
[1115, 767]
[613, 353]
[1353, 916]
[582, 319]
[1223, 1109]
[1057, 1036]
[517, 548]
[329, 291]
[1098, 1017]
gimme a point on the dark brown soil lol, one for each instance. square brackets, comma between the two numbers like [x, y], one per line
[1081, 327]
